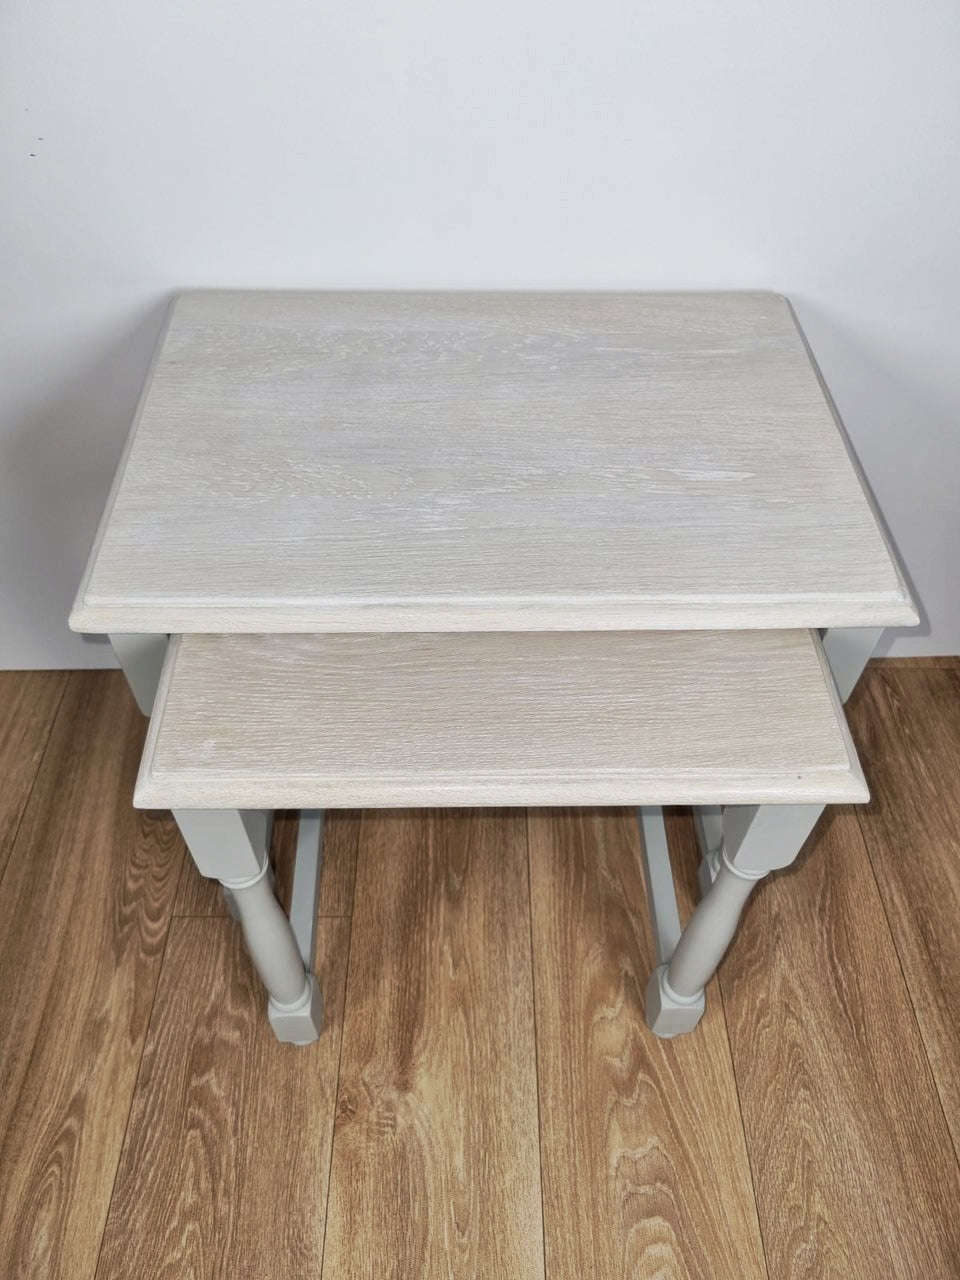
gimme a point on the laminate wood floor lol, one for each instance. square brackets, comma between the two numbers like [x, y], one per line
[485, 1100]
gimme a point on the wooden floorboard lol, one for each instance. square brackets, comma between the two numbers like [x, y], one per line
[853, 1168]
[847, 1090]
[28, 704]
[638, 1135]
[84, 910]
[908, 722]
[341, 830]
[225, 1166]
[435, 1168]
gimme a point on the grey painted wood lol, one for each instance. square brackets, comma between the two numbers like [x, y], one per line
[707, 934]
[756, 840]
[328, 721]
[305, 894]
[141, 659]
[271, 942]
[231, 846]
[848, 651]
[658, 877]
[311, 461]
[225, 843]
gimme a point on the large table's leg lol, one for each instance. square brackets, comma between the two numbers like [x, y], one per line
[229, 845]
[141, 657]
[848, 650]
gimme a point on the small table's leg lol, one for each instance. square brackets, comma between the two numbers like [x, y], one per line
[228, 899]
[230, 845]
[141, 657]
[756, 839]
[847, 650]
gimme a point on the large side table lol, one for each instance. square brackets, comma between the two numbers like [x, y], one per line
[491, 549]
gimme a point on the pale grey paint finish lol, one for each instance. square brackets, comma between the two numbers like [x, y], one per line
[848, 650]
[658, 876]
[758, 839]
[305, 894]
[666, 1013]
[708, 933]
[496, 718]
[270, 941]
[708, 824]
[226, 844]
[141, 658]
[738, 844]
[311, 461]
[231, 846]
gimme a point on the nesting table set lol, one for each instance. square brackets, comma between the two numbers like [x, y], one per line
[370, 550]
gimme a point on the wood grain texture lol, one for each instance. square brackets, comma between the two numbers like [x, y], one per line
[645, 1169]
[386, 462]
[28, 704]
[197, 896]
[225, 1165]
[496, 718]
[853, 1169]
[909, 722]
[435, 1172]
[851, 1155]
[84, 909]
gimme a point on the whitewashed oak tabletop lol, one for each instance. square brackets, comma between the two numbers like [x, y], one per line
[448, 461]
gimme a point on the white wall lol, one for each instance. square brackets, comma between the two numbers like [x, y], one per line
[806, 147]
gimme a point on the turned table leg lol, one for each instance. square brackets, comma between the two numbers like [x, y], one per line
[739, 844]
[709, 932]
[756, 840]
[229, 845]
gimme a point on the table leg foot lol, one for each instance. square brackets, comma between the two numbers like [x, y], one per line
[299, 1023]
[668, 1014]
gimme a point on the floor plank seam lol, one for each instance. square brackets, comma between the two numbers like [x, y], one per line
[536, 1040]
[851, 1230]
[36, 774]
[903, 974]
[207, 915]
[343, 1023]
[743, 1129]
[133, 1094]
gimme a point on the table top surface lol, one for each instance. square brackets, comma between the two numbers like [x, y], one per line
[291, 721]
[390, 462]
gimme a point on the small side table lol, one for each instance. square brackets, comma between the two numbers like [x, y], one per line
[489, 549]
